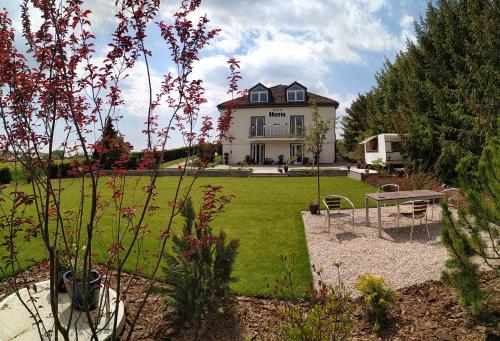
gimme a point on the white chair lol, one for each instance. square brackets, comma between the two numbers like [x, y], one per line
[332, 203]
[418, 210]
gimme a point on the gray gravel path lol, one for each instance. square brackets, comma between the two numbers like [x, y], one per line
[401, 262]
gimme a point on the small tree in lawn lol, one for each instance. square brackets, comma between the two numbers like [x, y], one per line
[199, 270]
[315, 138]
[111, 146]
[475, 235]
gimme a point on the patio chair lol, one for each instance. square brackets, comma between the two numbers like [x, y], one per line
[389, 188]
[332, 203]
[451, 195]
[418, 211]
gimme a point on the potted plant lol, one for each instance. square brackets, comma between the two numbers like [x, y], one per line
[226, 158]
[314, 207]
[63, 267]
[83, 292]
[280, 159]
[248, 159]
[285, 167]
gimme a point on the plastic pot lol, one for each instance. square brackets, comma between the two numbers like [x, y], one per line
[83, 292]
[313, 208]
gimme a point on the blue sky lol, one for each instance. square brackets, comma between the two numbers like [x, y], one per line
[333, 47]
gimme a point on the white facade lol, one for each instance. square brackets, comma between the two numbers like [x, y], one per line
[386, 147]
[265, 130]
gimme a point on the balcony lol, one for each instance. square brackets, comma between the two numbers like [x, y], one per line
[276, 132]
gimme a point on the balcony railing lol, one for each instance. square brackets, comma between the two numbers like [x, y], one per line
[277, 131]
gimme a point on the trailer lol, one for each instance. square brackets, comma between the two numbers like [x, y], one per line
[386, 147]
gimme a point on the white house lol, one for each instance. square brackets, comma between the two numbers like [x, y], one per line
[386, 147]
[269, 124]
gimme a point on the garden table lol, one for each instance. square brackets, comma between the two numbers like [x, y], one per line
[401, 196]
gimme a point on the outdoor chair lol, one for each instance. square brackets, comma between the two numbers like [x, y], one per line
[389, 188]
[332, 203]
[451, 195]
[418, 211]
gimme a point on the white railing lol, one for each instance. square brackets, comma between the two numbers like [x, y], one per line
[276, 131]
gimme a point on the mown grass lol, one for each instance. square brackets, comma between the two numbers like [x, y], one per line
[264, 216]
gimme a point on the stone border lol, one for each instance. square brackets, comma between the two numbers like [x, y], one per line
[17, 324]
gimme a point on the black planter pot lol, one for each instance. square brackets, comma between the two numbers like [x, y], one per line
[61, 287]
[78, 291]
[313, 208]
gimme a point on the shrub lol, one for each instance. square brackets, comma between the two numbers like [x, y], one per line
[5, 176]
[377, 297]
[325, 314]
[198, 272]
[474, 238]
[379, 166]
[60, 170]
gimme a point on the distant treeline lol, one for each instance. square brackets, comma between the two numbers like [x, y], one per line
[64, 169]
[442, 95]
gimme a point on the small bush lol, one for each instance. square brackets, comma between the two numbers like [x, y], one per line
[379, 166]
[5, 176]
[324, 315]
[198, 272]
[377, 297]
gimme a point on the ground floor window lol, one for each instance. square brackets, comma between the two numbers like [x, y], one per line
[257, 153]
[297, 151]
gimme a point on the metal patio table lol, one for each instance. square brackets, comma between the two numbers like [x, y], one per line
[396, 197]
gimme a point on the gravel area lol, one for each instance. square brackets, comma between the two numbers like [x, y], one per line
[402, 263]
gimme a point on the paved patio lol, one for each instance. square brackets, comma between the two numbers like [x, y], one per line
[401, 262]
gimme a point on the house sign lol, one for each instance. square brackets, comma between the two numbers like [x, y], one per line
[277, 112]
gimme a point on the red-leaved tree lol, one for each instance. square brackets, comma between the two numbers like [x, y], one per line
[59, 95]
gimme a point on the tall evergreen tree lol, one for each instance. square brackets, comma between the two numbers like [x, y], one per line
[476, 234]
[441, 94]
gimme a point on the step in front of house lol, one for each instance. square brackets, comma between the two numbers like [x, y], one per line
[254, 175]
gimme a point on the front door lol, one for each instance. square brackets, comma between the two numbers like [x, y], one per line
[258, 152]
[296, 150]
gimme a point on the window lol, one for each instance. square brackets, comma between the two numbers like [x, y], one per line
[259, 94]
[372, 145]
[295, 94]
[297, 125]
[396, 147]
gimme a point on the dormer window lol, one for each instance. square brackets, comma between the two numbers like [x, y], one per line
[259, 94]
[295, 94]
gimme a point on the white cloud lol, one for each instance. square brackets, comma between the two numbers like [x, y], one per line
[406, 24]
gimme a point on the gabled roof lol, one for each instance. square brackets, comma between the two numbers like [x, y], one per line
[277, 97]
[388, 137]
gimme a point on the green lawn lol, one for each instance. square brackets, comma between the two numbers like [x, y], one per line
[265, 216]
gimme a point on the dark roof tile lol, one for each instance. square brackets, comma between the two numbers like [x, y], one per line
[277, 96]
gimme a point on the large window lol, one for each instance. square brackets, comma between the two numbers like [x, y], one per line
[295, 94]
[297, 125]
[259, 94]
[372, 145]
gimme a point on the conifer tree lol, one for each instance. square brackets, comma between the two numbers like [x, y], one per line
[476, 234]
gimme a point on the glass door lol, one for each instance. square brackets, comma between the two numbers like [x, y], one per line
[296, 150]
[258, 153]
[257, 124]
[297, 125]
